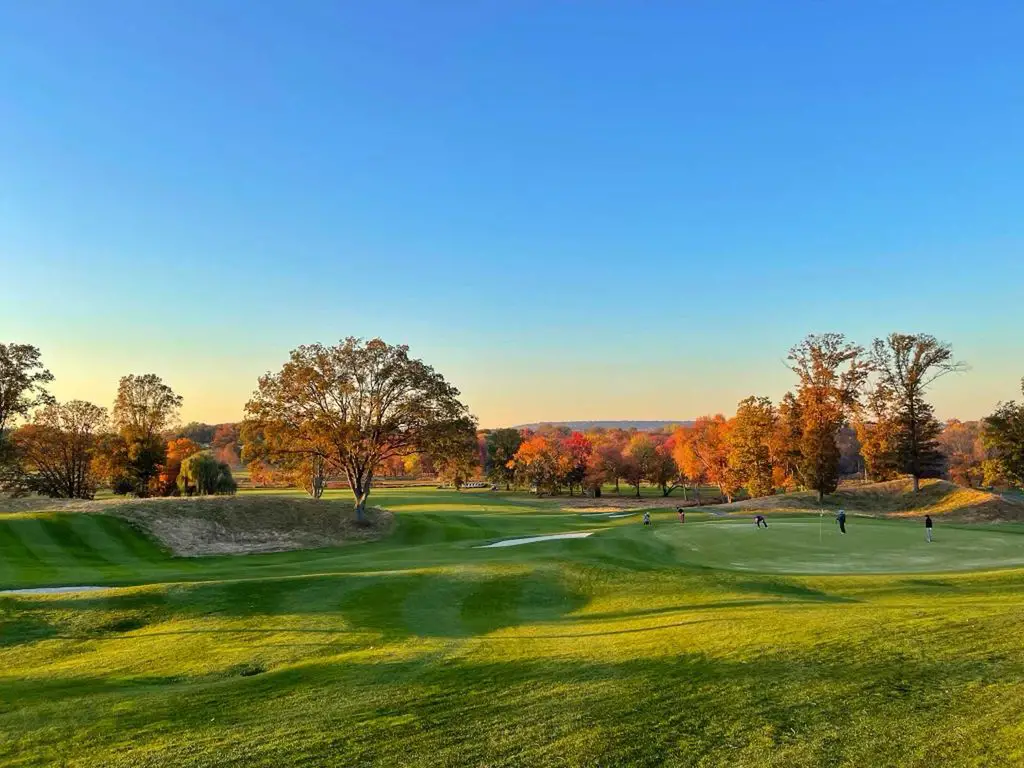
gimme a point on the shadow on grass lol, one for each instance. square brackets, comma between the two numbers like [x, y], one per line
[788, 589]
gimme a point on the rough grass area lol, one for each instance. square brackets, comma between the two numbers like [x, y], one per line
[896, 498]
[235, 525]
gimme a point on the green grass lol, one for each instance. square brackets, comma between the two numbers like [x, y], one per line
[704, 644]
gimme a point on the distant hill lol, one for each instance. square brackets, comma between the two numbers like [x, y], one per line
[583, 426]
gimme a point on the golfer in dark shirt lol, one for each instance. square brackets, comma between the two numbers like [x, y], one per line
[928, 527]
[841, 519]
[759, 519]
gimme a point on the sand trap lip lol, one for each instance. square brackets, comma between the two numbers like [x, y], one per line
[50, 590]
[532, 539]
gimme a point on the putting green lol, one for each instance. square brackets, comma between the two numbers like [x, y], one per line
[809, 546]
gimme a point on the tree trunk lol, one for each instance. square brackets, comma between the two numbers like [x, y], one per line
[821, 496]
[638, 490]
[917, 484]
[597, 491]
[617, 486]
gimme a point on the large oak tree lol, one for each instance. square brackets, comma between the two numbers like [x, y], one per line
[356, 404]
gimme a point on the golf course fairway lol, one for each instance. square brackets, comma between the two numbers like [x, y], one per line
[709, 643]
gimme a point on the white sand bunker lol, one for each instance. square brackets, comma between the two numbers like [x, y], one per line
[49, 590]
[532, 539]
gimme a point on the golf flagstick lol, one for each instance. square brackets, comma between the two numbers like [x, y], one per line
[821, 513]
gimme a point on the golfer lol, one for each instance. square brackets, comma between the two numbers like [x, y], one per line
[928, 527]
[647, 518]
[682, 515]
[841, 519]
[759, 520]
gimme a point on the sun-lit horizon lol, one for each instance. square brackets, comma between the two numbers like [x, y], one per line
[601, 213]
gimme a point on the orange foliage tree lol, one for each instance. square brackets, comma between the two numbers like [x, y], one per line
[177, 451]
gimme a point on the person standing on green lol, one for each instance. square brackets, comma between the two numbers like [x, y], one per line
[841, 519]
[928, 527]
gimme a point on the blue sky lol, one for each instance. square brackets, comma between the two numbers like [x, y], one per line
[573, 210]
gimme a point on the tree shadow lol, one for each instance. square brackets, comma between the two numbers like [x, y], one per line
[787, 589]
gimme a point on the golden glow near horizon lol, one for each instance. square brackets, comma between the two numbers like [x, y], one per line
[216, 390]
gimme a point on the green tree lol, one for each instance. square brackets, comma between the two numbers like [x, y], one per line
[906, 365]
[23, 381]
[832, 373]
[356, 404]
[203, 475]
[1003, 434]
[502, 445]
[750, 439]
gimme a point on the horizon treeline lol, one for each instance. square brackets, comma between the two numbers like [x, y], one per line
[853, 411]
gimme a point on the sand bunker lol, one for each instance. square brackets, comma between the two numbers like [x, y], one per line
[532, 539]
[49, 590]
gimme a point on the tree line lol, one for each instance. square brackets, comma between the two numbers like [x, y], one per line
[360, 409]
[70, 449]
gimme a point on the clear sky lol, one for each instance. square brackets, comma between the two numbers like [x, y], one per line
[573, 210]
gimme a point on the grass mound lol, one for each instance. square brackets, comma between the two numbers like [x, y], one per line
[896, 498]
[235, 525]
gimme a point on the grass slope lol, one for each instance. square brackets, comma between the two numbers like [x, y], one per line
[896, 497]
[669, 645]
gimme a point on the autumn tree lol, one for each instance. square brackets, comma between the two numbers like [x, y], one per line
[178, 450]
[57, 449]
[785, 443]
[640, 457]
[144, 407]
[877, 428]
[709, 444]
[502, 445]
[961, 444]
[536, 464]
[575, 458]
[23, 381]
[605, 465]
[750, 440]
[226, 443]
[906, 365]
[690, 465]
[356, 404]
[203, 475]
[455, 453]
[664, 472]
[831, 373]
[1003, 434]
